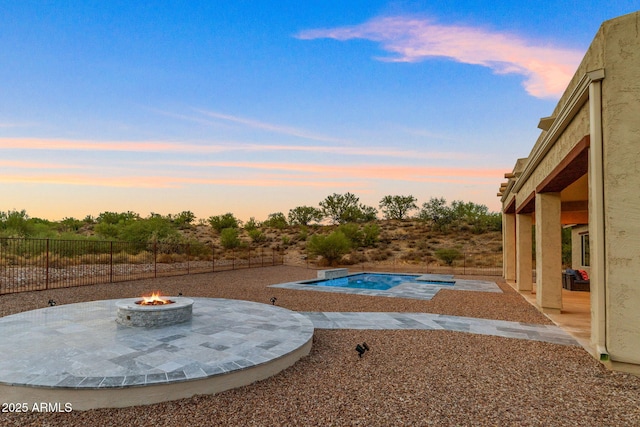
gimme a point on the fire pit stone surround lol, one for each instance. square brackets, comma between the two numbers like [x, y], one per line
[132, 313]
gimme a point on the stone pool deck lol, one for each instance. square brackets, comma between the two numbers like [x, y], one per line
[419, 289]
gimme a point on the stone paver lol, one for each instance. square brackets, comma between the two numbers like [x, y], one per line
[82, 346]
[427, 321]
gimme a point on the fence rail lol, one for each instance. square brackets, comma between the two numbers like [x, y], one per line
[37, 264]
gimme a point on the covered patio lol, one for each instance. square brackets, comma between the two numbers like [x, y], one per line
[581, 174]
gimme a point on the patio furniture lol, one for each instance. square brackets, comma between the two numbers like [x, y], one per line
[572, 280]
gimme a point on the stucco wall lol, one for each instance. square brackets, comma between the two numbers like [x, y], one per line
[577, 129]
[621, 136]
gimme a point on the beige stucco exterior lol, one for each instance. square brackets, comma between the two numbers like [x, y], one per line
[584, 172]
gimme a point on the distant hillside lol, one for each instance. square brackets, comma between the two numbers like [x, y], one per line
[407, 242]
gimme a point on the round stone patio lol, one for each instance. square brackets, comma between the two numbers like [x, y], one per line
[78, 354]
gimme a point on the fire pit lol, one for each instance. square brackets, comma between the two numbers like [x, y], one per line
[154, 311]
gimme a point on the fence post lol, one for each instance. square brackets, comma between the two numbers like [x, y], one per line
[111, 261]
[46, 280]
[464, 263]
[155, 259]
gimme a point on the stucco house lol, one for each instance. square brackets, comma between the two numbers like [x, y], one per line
[584, 173]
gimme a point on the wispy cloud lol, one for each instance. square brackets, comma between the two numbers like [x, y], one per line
[547, 69]
[210, 148]
[270, 127]
[91, 180]
[149, 182]
[242, 174]
[89, 145]
[18, 164]
[310, 171]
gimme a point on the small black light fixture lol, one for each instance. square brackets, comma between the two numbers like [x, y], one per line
[179, 294]
[51, 303]
[273, 300]
[362, 348]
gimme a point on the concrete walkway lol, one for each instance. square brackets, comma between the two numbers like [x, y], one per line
[427, 321]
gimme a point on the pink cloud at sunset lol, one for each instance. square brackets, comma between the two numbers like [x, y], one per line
[296, 174]
[279, 175]
[209, 148]
[18, 164]
[546, 69]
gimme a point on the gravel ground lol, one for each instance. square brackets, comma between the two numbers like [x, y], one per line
[408, 377]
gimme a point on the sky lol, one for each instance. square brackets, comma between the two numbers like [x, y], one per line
[257, 107]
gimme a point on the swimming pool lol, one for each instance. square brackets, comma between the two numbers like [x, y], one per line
[373, 281]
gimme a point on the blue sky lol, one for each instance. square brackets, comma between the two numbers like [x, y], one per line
[255, 107]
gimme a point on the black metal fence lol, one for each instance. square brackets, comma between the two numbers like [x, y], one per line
[36, 264]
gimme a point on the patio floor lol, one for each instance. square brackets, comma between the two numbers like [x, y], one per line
[575, 317]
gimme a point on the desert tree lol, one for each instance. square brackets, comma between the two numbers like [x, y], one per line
[303, 215]
[276, 220]
[436, 212]
[343, 208]
[397, 207]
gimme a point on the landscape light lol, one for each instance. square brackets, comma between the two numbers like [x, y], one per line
[273, 300]
[52, 303]
[362, 348]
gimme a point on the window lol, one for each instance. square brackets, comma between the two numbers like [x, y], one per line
[584, 244]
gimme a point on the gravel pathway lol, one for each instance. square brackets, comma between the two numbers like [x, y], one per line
[409, 377]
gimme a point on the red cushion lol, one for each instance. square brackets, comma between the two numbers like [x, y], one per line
[583, 274]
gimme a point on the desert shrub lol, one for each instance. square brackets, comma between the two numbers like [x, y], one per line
[229, 238]
[252, 224]
[165, 258]
[220, 222]
[95, 259]
[331, 247]
[411, 256]
[16, 223]
[303, 234]
[256, 235]
[121, 257]
[276, 220]
[423, 245]
[448, 255]
[380, 255]
[106, 230]
[354, 258]
[199, 249]
[353, 233]
[371, 234]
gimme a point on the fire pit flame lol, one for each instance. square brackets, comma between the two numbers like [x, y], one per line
[154, 299]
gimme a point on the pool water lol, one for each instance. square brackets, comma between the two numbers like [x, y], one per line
[374, 281]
